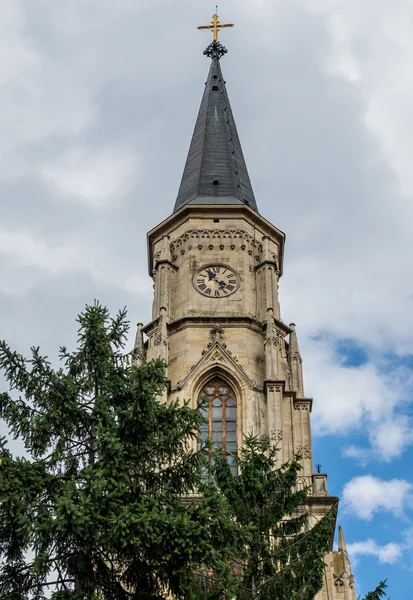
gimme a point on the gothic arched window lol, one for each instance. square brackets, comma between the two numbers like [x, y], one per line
[221, 415]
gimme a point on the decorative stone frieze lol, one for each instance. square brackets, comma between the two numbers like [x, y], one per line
[216, 239]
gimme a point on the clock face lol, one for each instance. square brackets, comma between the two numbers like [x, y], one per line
[216, 281]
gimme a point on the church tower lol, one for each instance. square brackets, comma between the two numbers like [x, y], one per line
[216, 321]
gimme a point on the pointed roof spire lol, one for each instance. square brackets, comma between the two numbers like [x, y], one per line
[215, 170]
[341, 541]
[139, 347]
[294, 349]
[295, 363]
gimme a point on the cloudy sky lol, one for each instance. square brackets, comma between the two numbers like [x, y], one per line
[99, 100]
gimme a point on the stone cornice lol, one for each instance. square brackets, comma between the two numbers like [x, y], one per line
[209, 321]
[303, 403]
[279, 325]
[206, 322]
[266, 262]
[149, 327]
[164, 261]
[274, 383]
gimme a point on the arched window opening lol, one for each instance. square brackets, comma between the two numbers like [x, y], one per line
[221, 415]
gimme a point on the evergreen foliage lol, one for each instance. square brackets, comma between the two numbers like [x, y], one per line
[378, 593]
[282, 558]
[103, 507]
[96, 510]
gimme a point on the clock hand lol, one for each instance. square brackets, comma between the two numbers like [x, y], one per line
[222, 284]
[211, 275]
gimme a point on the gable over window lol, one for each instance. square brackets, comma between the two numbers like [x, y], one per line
[221, 415]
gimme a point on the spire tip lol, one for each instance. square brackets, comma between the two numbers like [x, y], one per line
[341, 540]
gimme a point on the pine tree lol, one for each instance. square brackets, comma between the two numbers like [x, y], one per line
[95, 509]
[282, 558]
[378, 593]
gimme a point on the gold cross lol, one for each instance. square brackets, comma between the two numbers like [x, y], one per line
[216, 26]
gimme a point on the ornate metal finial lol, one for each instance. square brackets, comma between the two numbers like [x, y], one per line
[215, 49]
[318, 467]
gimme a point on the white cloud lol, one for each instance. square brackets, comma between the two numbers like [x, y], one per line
[372, 44]
[348, 258]
[26, 250]
[366, 398]
[54, 61]
[363, 456]
[366, 495]
[389, 553]
[392, 437]
[41, 96]
[97, 177]
[345, 395]
[23, 250]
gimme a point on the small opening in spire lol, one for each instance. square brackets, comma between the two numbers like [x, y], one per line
[215, 182]
[215, 88]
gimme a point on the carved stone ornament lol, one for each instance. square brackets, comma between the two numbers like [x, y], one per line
[276, 435]
[217, 353]
[305, 451]
[223, 238]
[215, 357]
[301, 406]
[139, 355]
[339, 584]
[272, 337]
[217, 332]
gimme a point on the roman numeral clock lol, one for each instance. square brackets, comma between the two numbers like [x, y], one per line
[216, 281]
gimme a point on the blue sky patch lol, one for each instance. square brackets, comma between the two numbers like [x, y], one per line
[350, 353]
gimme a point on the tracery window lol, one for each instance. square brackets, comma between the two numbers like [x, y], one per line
[221, 415]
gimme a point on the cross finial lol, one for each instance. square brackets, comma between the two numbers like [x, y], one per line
[215, 25]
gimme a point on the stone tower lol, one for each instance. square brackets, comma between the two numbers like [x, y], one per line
[216, 263]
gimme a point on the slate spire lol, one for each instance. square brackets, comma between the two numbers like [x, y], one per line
[215, 170]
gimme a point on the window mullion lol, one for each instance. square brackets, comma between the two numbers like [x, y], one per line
[210, 419]
[224, 426]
